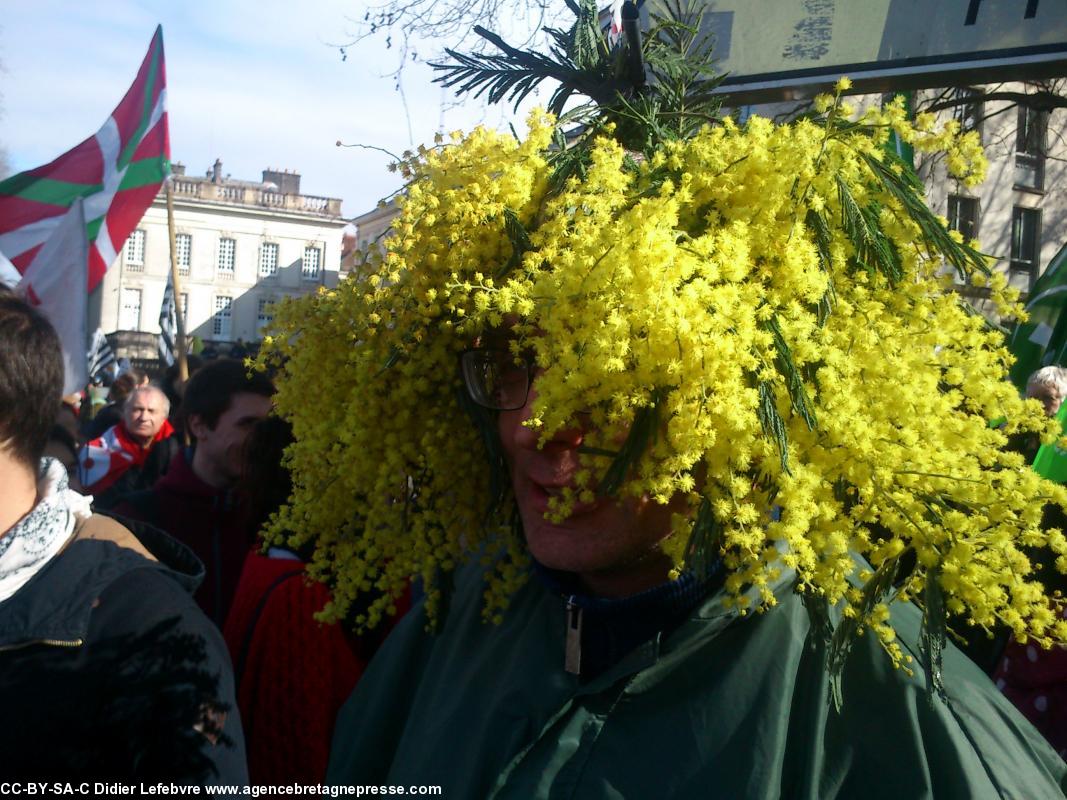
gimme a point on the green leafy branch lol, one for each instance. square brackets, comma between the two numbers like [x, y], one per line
[579, 62]
[904, 185]
[861, 225]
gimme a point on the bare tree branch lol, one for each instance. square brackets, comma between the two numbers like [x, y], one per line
[1039, 101]
[437, 24]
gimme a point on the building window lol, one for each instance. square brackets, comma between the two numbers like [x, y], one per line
[130, 315]
[1030, 145]
[1025, 235]
[135, 251]
[223, 313]
[963, 215]
[227, 249]
[309, 267]
[185, 312]
[969, 109]
[183, 246]
[268, 259]
[265, 314]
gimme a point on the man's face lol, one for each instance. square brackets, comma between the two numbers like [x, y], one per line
[1050, 398]
[611, 544]
[220, 449]
[144, 415]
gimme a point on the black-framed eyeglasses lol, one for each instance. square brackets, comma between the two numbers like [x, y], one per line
[496, 379]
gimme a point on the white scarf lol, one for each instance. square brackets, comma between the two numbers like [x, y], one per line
[37, 537]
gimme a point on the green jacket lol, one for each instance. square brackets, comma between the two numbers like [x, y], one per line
[722, 707]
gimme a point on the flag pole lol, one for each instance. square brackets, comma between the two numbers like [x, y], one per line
[183, 362]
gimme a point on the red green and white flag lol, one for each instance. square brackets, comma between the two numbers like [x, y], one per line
[117, 173]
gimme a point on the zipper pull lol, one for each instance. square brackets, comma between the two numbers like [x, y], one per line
[573, 658]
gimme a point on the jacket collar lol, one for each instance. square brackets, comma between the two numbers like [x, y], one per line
[56, 605]
[32, 541]
[625, 632]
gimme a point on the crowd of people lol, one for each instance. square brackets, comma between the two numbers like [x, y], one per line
[128, 547]
[144, 633]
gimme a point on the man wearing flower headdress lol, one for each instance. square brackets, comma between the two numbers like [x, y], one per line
[606, 678]
[648, 411]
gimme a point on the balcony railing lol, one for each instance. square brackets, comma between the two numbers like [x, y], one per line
[257, 196]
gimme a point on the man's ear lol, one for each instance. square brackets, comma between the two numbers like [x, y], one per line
[197, 427]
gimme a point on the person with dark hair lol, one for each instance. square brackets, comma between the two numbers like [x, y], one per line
[174, 388]
[197, 501]
[31, 381]
[108, 669]
[132, 455]
[293, 673]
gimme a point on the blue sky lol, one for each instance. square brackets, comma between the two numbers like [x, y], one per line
[253, 82]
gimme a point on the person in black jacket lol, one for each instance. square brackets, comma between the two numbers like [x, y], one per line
[108, 670]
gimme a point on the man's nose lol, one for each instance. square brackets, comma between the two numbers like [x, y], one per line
[569, 438]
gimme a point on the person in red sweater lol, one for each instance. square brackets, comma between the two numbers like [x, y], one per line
[293, 673]
[197, 501]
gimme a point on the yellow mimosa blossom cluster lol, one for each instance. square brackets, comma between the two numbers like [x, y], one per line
[760, 300]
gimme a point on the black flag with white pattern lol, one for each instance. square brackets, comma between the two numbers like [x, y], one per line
[168, 323]
[100, 357]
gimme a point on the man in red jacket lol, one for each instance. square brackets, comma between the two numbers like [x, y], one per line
[132, 455]
[196, 501]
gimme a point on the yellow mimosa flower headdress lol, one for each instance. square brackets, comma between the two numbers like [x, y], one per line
[762, 314]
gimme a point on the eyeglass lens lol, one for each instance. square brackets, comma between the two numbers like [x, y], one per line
[495, 380]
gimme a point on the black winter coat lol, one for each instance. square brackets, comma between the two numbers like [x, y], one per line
[109, 670]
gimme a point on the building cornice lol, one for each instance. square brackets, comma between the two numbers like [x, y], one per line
[248, 210]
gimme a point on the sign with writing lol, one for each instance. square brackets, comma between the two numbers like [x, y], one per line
[787, 49]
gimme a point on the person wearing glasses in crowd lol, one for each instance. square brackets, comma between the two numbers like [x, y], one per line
[645, 408]
[606, 678]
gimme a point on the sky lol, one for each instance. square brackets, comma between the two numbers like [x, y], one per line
[256, 83]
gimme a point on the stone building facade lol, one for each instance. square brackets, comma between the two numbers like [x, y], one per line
[241, 245]
[1019, 213]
